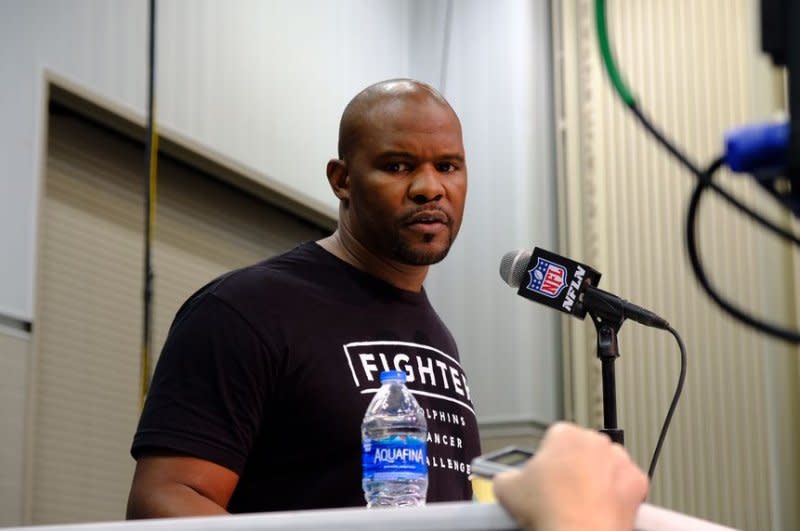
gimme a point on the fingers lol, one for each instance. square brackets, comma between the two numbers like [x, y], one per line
[504, 483]
[578, 479]
[632, 484]
[514, 490]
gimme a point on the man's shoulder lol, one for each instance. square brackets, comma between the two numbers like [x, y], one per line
[262, 283]
[270, 276]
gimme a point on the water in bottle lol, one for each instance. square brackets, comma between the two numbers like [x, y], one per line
[394, 446]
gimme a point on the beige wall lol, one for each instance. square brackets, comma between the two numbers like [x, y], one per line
[14, 356]
[731, 454]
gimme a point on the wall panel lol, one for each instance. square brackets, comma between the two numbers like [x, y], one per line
[692, 66]
[14, 362]
[85, 391]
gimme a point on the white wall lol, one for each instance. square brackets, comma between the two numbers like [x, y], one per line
[34, 36]
[260, 83]
[498, 78]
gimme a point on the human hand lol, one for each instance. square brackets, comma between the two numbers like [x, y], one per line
[577, 481]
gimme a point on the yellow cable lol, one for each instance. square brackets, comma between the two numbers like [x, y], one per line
[151, 223]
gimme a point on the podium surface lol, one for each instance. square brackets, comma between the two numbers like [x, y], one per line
[435, 517]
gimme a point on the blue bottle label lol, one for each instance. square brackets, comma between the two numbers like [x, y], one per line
[394, 457]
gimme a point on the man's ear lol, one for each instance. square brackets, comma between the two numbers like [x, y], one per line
[339, 179]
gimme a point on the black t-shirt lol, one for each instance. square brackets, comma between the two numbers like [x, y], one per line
[268, 371]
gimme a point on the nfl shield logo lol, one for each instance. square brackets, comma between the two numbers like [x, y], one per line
[547, 278]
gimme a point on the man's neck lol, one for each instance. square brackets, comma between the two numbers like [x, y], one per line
[403, 276]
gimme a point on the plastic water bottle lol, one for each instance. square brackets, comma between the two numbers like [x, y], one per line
[394, 446]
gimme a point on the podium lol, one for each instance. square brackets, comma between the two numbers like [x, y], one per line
[456, 516]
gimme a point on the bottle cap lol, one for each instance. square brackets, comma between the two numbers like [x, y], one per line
[393, 375]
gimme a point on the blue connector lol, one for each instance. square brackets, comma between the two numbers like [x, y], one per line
[754, 148]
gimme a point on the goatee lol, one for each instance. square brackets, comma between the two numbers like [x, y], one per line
[406, 254]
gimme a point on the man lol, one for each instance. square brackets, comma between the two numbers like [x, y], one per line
[577, 481]
[258, 396]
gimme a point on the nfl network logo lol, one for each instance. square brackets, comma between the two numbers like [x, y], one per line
[547, 278]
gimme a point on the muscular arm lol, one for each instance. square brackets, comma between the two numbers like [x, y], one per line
[176, 485]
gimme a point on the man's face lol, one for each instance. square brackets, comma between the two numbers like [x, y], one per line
[408, 181]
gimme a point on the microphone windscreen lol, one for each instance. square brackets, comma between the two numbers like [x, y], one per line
[513, 267]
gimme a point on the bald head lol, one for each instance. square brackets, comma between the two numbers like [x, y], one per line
[363, 109]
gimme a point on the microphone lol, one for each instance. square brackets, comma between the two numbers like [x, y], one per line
[569, 286]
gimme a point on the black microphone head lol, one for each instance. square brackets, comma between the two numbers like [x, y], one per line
[548, 278]
[568, 286]
[513, 267]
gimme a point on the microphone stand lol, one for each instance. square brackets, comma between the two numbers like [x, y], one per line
[608, 351]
